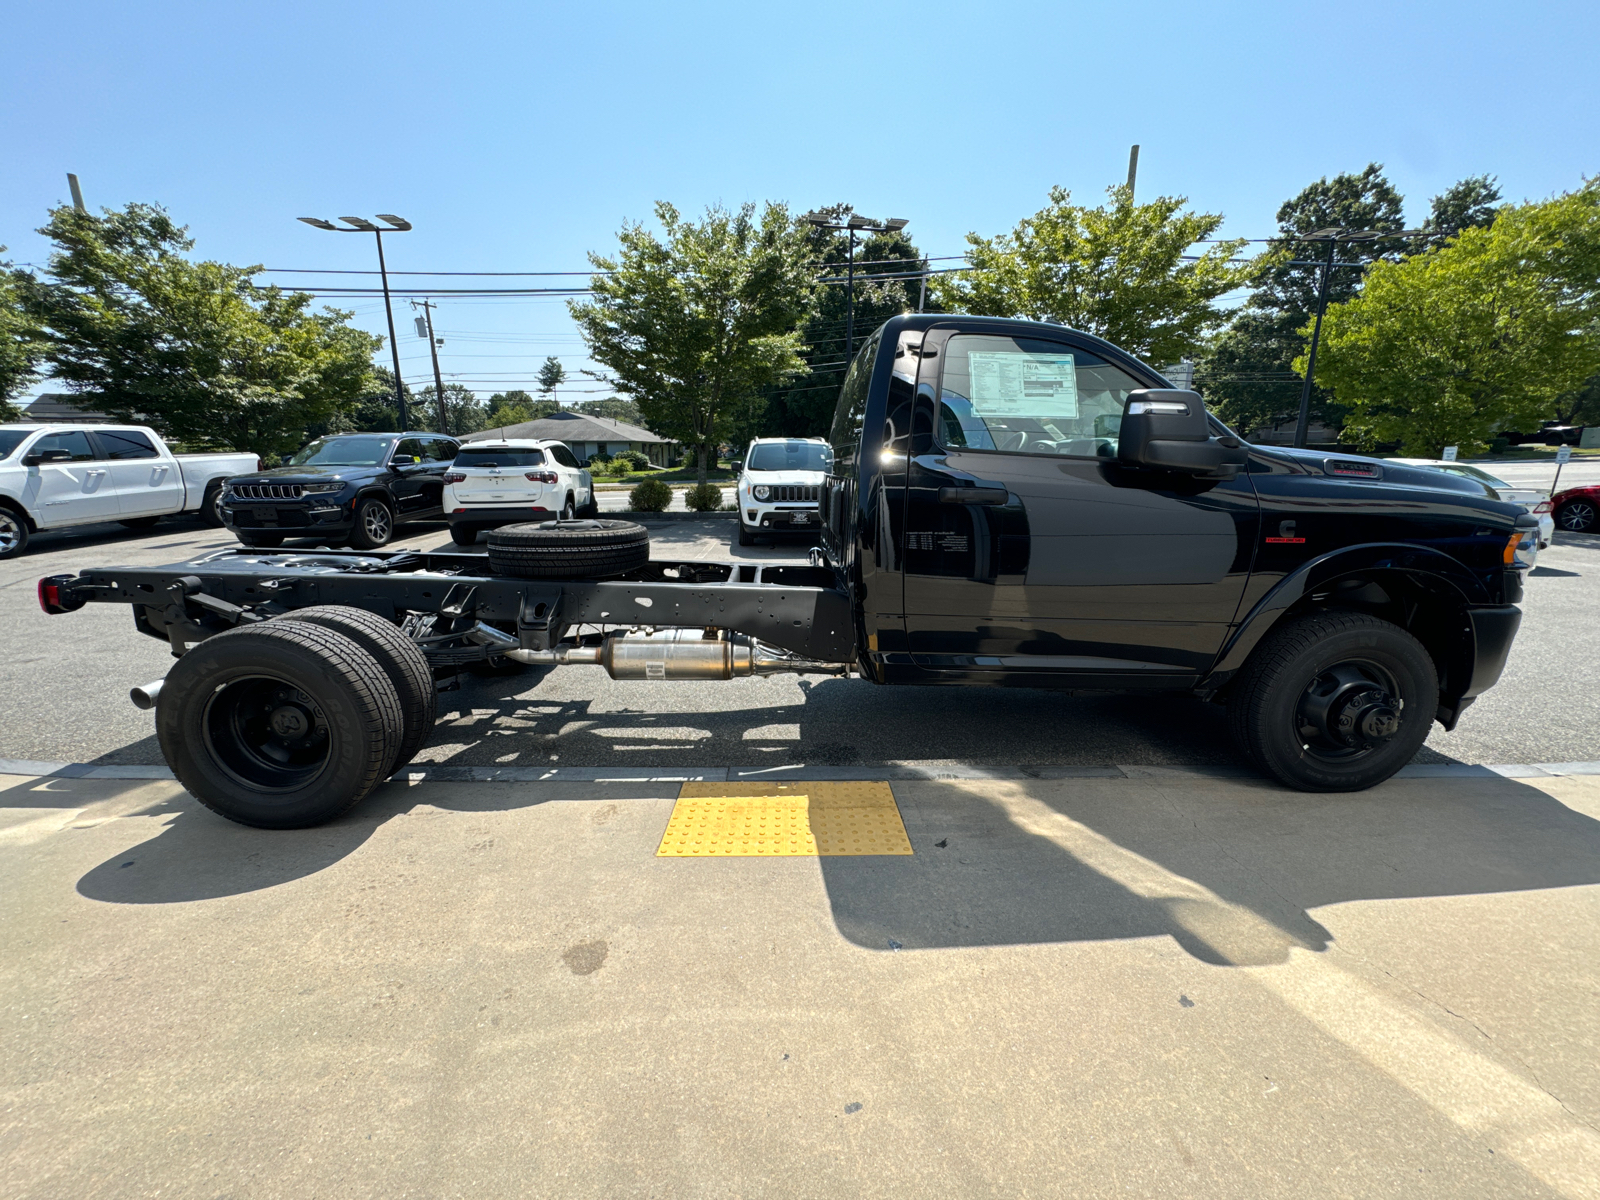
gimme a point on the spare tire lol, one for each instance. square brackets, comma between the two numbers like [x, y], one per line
[586, 549]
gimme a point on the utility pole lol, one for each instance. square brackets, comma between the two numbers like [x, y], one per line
[1133, 169]
[433, 348]
[77, 192]
[856, 221]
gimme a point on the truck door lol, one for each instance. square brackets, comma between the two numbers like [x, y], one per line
[1028, 549]
[147, 484]
[76, 491]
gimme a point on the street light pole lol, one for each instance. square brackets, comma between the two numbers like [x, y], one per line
[854, 222]
[850, 301]
[362, 225]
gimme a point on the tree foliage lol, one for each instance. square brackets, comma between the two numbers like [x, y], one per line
[195, 349]
[1484, 332]
[1116, 271]
[1470, 204]
[614, 408]
[695, 323]
[551, 376]
[464, 412]
[21, 344]
[1247, 372]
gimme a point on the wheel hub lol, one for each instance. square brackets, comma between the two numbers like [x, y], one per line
[1348, 709]
[289, 722]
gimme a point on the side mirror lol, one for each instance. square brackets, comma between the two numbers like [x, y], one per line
[403, 460]
[1166, 430]
[46, 456]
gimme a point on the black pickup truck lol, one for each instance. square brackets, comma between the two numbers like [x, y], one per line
[1010, 505]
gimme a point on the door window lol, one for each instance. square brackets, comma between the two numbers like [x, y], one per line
[563, 456]
[126, 443]
[412, 447]
[851, 410]
[438, 450]
[75, 443]
[1026, 396]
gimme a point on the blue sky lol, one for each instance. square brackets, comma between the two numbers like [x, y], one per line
[516, 137]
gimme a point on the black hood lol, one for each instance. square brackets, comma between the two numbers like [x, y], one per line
[304, 474]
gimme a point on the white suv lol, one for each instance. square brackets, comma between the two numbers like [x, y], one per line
[493, 483]
[781, 485]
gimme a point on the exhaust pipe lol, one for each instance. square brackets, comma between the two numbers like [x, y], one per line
[145, 697]
[680, 654]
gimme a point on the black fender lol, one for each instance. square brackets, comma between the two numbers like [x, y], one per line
[1433, 570]
[382, 493]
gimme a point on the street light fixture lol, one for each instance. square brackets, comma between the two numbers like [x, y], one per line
[855, 222]
[1332, 235]
[362, 225]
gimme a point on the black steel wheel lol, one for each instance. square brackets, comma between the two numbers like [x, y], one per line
[591, 549]
[280, 725]
[1576, 516]
[1334, 701]
[13, 532]
[401, 659]
[374, 524]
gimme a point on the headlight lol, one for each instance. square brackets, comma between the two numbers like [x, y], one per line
[315, 489]
[761, 491]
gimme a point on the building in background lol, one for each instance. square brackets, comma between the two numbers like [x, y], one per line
[60, 408]
[588, 436]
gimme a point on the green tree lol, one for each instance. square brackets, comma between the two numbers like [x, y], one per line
[551, 376]
[693, 324]
[195, 349]
[614, 408]
[1469, 204]
[464, 412]
[805, 408]
[1117, 271]
[1485, 332]
[21, 344]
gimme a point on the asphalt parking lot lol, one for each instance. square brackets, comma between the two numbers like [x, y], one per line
[64, 683]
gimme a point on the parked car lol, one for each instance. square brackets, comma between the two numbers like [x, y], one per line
[1575, 508]
[512, 481]
[1531, 499]
[1551, 433]
[355, 487]
[780, 486]
[57, 476]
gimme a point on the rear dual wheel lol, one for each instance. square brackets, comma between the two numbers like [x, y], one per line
[289, 723]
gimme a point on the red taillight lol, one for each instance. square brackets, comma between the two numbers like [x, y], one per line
[1542, 507]
[454, 477]
[51, 599]
[542, 477]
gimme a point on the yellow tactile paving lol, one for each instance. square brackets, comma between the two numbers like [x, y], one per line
[726, 820]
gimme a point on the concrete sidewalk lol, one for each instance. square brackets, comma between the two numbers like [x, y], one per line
[1161, 985]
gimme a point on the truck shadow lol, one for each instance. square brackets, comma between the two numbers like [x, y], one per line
[1230, 869]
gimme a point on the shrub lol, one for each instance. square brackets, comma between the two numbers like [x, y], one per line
[617, 466]
[703, 497]
[650, 496]
[633, 460]
[1499, 446]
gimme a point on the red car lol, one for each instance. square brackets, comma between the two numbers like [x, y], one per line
[1575, 508]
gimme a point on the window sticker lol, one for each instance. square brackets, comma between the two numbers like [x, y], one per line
[1038, 385]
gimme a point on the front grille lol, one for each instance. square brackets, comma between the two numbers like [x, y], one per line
[796, 492]
[268, 491]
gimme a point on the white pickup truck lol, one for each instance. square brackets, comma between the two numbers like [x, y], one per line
[54, 476]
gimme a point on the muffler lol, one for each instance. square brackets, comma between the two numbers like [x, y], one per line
[145, 697]
[681, 654]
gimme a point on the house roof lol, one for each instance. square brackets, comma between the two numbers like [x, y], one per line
[59, 407]
[570, 427]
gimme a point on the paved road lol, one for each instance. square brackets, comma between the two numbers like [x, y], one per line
[64, 684]
[1159, 986]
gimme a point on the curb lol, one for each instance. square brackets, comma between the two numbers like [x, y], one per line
[818, 774]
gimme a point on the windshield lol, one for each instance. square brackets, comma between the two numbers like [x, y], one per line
[789, 456]
[1475, 474]
[10, 439]
[343, 452]
[498, 456]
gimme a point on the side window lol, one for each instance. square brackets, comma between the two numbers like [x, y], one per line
[1026, 396]
[441, 450]
[563, 456]
[126, 443]
[851, 411]
[411, 446]
[75, 443]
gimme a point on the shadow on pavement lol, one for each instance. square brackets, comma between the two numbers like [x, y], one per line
[1230, 869]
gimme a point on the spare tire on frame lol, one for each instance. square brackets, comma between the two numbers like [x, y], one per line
[583, 549]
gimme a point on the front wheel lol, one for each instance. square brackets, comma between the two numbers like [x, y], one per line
[1334, 701]
[746, 538]
[1576, 516]
[374, 525]
[13, 533]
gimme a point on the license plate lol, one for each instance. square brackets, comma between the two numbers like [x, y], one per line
[265, 514]
[800, 518]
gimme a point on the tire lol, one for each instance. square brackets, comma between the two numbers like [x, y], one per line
[14, 532]
[464, 535]
[211, 505]
[1576, 516]
[373, 527]
[591, 549]
[324, 748]
[138, 522]
[264, 541]
[1287, 702]
[591, 510]
[402, 661]
[746, 538]
[568, 512]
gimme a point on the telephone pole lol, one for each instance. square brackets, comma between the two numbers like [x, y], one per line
[426, 321]
[1133, 170]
